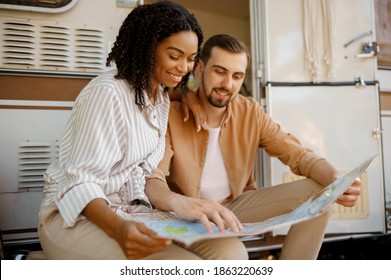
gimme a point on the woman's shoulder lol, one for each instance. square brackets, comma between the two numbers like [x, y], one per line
[107, 79]
[106, 84]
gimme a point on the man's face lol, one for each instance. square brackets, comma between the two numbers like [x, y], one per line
[222, 76]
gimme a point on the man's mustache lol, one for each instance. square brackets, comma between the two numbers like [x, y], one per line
[223, 89]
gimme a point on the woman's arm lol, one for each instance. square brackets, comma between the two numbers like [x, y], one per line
[136, 240]
[190, 102]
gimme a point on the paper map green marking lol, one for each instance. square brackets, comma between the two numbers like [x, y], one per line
[175, 230]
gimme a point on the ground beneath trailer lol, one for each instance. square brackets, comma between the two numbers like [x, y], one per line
[368, 248]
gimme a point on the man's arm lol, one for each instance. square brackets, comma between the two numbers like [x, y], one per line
[324, 173]
[159, 194]
[191, 209]
[301, 160]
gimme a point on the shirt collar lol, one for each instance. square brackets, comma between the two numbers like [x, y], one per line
[228, 113]
[159, 101]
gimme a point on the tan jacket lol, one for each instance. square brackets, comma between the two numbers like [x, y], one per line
[245, 129]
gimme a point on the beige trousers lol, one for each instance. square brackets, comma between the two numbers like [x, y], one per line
[304, 239]
[87, 241]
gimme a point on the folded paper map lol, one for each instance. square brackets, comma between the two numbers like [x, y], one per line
[168, 225]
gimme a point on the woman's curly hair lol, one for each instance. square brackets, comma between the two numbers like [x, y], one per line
[134, 49]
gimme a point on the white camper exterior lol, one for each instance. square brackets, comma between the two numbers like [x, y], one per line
[48, 54]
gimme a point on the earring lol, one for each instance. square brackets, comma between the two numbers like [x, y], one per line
[193, 83]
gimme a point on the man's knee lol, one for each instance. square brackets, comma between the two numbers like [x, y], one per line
[230, 248]
[234, 249]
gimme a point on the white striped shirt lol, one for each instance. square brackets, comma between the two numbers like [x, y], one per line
[107, 149]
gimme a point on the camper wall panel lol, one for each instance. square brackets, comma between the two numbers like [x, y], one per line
[75, 41]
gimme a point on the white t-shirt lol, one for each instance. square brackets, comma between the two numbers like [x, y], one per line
[214, 179]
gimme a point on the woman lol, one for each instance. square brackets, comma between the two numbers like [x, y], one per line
[115, 138]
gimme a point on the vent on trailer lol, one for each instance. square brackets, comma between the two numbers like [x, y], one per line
[35, 45]
[34, 159]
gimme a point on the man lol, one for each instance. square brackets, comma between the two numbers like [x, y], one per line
[210, 172]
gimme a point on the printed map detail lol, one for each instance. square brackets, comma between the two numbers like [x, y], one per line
[175, 228]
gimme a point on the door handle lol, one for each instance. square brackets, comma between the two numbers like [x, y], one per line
[370, 49]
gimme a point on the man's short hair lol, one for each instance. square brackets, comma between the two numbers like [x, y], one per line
[225, 42]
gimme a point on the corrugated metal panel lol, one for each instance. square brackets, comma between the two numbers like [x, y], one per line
[36, 45]
[34, 159]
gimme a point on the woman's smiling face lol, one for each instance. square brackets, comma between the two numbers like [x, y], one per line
[174, 58]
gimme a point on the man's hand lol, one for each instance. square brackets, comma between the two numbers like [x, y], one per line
[205, 211]
[350, 196]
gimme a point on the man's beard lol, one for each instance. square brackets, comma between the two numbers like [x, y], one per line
[216, 103]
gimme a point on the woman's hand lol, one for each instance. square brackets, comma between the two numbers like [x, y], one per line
[205, 211]
[191, 102]
[137, 240]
